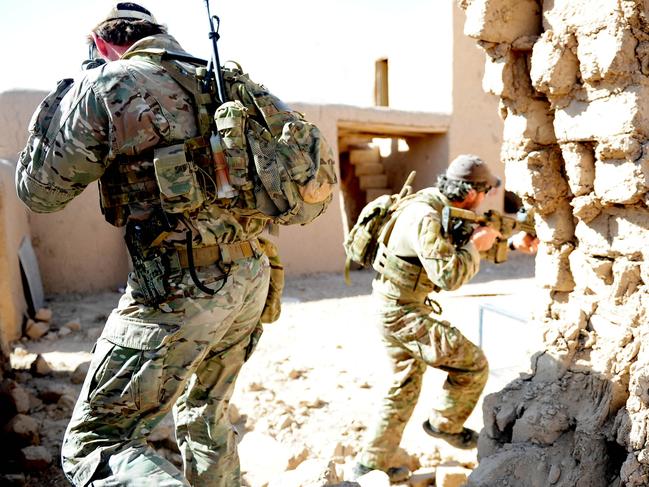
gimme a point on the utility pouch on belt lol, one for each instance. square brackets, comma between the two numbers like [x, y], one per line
[176, 176]
[273, 305]
[151, 265]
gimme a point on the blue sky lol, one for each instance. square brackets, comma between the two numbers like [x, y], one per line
[303, 50]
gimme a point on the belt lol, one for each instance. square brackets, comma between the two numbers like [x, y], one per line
[226, 253]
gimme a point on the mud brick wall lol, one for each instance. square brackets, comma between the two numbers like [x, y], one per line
[573, 81]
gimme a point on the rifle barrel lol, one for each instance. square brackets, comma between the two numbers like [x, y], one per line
[214, 37]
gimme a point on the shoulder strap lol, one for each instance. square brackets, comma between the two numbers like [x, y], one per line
[188, 80]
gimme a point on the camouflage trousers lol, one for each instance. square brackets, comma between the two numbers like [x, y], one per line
[183, 357]
[413, 341]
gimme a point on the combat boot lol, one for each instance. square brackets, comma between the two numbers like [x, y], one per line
[395, 474]
[465, 439]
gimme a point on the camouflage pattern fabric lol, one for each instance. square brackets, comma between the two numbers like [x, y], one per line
[415, 339]
[273, 306]
[147, 362]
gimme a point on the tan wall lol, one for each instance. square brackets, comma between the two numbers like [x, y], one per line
[427, 155]
[316, 247]
[16, 108]
[78, 251]
[14, 227]
[476, 127]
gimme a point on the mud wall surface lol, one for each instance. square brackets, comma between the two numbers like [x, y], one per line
[14, 226]
[572, 78]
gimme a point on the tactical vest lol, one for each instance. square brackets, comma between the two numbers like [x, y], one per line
[279, 165]
[406, 272]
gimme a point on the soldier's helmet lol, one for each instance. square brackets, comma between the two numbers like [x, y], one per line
[471, 169]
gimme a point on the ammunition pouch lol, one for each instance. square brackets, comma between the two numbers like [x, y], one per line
[177, 181]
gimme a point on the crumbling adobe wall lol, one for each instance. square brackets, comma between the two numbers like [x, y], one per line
[573, 80]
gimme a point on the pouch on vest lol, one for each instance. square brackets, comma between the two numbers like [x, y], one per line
[176, 176]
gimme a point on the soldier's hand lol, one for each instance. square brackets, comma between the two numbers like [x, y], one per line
[524, 242]
[484, 237]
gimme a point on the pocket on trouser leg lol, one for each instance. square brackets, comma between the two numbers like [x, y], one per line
[410, 328]
[131, 366]
[127, 379]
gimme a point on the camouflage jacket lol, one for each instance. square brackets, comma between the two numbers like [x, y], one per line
[417, 235]
[125, 108]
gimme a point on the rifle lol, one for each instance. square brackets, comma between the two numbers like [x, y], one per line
[215, 63]
[506, 225]
[214, 80]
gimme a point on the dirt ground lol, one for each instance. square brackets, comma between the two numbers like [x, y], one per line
[305, 399]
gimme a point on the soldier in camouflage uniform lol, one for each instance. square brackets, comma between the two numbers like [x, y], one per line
[185, 352]
[414, 259]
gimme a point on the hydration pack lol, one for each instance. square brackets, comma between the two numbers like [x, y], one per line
[363, 240]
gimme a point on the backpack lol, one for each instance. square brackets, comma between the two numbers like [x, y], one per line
[363, 240]
[291, 164]
[278, 163]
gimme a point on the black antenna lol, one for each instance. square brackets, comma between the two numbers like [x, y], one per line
[215, 66]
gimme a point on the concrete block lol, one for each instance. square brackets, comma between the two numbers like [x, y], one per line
[624, 112]
[506, 75]
[502, 21]
[40, 367]
[23, 429]
[35, 458]
[591, 273]
[373, 181]
[557, 227]
[554, 65]
[585, 16]
[579, 163]
[626, 279]
[586, 207]
[36, 329]
[539, 177]
[619, 147]
[534, 123]
[368, 169]
[620, 182]
[615, 232]
[606, 53]
[451, 476]
[552, 269]
[43, 314]
[19, 396]
[365, 156]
